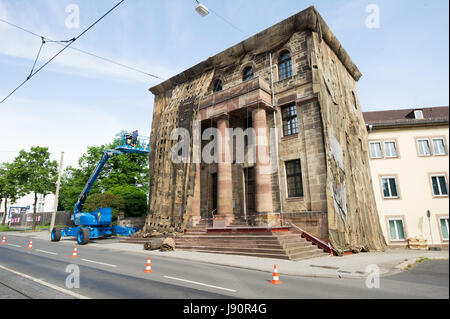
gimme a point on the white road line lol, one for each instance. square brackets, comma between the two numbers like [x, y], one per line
[46, 252]
[65, 291]
[96, 262]
[13, 245]
[199, 283]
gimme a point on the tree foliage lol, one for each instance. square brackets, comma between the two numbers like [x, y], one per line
[94, 202]
[36, 173]
[125, 176]
[10, 188]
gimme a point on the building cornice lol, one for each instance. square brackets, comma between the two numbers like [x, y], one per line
[266, 41]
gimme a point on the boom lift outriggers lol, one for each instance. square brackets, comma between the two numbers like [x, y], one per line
[99, 223]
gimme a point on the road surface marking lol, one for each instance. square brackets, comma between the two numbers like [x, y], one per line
[46, 252]
[199, 283]
[96, 262]
[13, 245]
[65, 291]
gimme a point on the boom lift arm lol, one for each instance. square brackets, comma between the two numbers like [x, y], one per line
[92, 225]
[107, 155]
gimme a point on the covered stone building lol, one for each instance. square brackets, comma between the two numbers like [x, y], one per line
[295, 85]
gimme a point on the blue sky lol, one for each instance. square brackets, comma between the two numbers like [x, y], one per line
[79, 100]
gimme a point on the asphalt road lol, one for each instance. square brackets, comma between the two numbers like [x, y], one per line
[106, 274]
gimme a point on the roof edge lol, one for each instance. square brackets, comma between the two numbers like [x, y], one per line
[308, 19]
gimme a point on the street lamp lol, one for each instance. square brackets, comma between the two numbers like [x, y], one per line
[201, 9]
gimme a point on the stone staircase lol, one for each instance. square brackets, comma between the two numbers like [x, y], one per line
[238, 239]
[255, 242]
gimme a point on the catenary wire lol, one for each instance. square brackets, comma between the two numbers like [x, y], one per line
[60, 42]
[61, 51]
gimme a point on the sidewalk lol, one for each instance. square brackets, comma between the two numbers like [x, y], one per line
[352, 266]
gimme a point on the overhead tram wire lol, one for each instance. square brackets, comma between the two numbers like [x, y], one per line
[69, 43]
[61, 42]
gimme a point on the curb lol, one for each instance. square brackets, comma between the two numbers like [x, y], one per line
[411, 262]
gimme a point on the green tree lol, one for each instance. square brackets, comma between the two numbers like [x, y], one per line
[9, 187]
[37, 173]
[122, 170]
[135, 200]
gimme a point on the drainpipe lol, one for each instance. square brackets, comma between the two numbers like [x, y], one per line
[276, 140]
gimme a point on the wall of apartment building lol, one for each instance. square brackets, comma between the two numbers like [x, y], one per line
[44, 203]
[413, 178]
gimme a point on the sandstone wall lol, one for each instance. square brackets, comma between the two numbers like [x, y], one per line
[353, 222]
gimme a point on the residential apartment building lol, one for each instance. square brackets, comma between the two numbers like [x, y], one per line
[409, 159]
[25, 204]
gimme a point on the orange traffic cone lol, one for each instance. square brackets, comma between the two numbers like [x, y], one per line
[276, 280]
[148, 268]
[75, 252]
[30, 245]
[4, 240]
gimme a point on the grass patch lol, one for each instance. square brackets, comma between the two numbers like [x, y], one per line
[6, 228]
[418, 261]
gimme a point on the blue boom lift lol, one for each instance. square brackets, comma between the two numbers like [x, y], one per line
[99, 223]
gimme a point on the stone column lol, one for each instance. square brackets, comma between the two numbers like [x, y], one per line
[195, 213]
[262, 164]
[224, 173]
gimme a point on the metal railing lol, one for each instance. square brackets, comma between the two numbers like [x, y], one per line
[125, 139]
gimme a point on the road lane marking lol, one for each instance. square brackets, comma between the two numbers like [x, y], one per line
[65, 291]
[97, 262]
[13, 245]
[199, 283]
[46, 252]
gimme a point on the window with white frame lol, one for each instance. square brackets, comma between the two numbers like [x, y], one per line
[41, 207]
[389, 185]
[424, 147]
[443, 221]
[439, 184]
[439, 146]
[390, 149]
[375, 150]
[396, 229]
[418, 114]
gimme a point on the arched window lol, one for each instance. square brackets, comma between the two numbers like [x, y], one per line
[248, 74]
[217, 85]
[285, 65]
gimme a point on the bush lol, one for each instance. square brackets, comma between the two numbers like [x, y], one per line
[105, 200]
[135, 200]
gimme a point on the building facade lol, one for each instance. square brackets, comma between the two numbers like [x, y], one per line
[25, 205]
[410, 164]
[294, 86]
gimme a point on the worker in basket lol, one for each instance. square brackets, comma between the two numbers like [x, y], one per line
[128, 139]
[135, 138]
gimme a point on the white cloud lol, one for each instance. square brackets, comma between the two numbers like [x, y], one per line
[16, 43]
[27, 123]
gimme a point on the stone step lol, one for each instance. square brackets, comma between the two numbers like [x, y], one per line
[297, 250]
[307, 255]
[229, 243]
[230, 237]
[295, 244]
[240, 253]
[233, 248]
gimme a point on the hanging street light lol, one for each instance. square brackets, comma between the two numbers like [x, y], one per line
[201, 9]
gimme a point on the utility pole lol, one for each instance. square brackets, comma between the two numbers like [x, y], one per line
[52, 224]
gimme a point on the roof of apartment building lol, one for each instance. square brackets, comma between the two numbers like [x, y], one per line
[408, 117]
[265, 41]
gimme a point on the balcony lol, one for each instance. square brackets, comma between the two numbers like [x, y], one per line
[255, 93]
